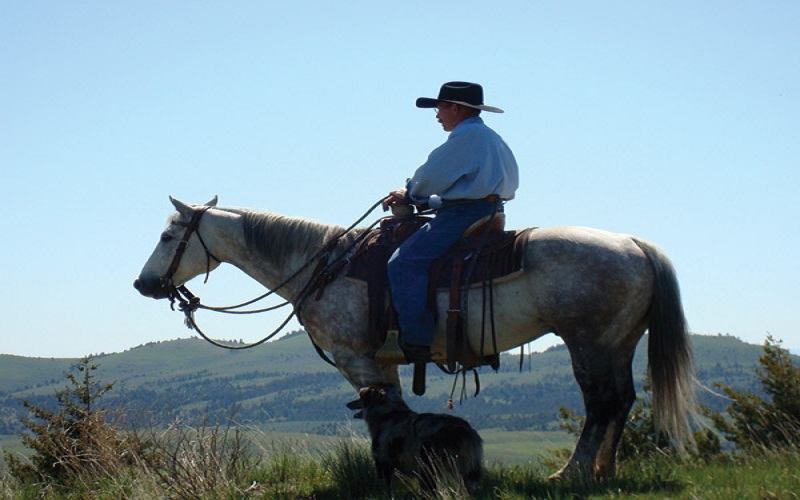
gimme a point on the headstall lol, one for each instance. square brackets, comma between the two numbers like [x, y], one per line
[191, 227]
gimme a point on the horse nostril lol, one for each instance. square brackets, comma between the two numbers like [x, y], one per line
[150, 287]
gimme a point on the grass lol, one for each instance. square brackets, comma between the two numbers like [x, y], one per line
[520, 447]
[226, 463]
[770, 475]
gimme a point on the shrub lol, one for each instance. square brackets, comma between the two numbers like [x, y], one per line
[76, 443]
[755, 423]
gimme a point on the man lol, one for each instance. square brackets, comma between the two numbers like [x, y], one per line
[465, 179]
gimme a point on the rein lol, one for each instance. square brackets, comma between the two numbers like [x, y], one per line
[188, 303]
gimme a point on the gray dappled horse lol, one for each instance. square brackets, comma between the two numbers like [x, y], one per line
[597, 290]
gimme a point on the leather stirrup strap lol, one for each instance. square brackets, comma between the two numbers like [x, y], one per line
[419, 378]
[454, 314]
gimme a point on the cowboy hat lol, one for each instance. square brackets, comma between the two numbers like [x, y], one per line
[463, 93]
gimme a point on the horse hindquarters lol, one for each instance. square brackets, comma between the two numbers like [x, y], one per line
[601, 313]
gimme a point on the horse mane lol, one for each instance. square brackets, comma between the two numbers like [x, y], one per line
[278, 237]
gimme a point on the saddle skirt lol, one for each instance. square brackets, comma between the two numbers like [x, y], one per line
[500, 257]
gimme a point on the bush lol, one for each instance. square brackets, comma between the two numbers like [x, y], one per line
[754, 423]
[76, 443]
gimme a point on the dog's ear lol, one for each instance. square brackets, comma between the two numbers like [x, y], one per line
[373, 395]
[366, 395]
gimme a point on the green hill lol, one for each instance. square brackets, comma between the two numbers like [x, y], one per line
[285, 386]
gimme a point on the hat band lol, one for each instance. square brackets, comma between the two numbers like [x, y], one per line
[430, 102]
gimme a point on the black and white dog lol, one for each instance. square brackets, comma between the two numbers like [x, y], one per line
[419, 444]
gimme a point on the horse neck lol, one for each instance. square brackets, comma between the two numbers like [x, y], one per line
[271, 247]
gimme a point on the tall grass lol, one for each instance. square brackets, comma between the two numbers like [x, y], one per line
[233, 462]
[351, 468]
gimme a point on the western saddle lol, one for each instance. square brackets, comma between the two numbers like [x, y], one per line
[484, 254]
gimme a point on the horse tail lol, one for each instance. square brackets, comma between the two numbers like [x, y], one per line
[669, 352]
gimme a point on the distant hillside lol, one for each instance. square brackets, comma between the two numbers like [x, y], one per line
[284, 385]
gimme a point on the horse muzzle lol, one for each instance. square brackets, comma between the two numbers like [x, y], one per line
[153, 288]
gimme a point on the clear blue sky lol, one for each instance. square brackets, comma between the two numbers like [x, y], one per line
[675, 121]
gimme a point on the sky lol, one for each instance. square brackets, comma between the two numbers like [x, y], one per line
[678, 122]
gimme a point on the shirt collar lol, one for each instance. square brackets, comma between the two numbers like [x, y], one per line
[468, 121]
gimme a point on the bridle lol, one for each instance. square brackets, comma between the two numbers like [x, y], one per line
[188, 303]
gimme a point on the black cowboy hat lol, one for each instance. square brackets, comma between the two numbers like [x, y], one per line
[463, 93]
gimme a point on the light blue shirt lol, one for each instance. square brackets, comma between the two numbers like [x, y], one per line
[472, 164]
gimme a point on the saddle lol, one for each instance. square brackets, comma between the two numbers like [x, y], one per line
[485, 254]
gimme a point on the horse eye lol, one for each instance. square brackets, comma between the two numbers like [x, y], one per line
[166, 237]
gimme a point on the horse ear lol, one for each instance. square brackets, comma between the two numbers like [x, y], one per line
[213, 202]
[181, 207]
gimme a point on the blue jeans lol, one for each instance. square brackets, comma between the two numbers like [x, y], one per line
[409, 264]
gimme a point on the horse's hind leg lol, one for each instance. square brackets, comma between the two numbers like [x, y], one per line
[606, 380]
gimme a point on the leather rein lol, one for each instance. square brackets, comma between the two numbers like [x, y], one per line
[188, 303]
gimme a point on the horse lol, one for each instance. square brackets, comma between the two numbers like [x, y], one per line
[598, 291]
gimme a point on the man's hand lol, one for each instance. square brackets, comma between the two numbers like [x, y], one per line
[396, 197]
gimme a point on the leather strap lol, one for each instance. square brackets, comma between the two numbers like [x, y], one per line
[454, 314]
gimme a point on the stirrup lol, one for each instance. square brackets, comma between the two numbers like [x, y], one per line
[390, 353]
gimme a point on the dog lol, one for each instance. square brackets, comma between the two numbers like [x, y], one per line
[419, 444]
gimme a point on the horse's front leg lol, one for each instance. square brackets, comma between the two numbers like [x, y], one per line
[606, 380]
[338, 324]
[361, 370]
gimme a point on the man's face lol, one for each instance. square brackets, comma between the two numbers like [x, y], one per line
[447, 114]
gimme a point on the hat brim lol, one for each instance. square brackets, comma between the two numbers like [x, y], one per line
[429, 102]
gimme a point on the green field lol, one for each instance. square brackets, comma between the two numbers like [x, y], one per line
[329, 467]
[302, 440]
[500, 447]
